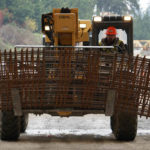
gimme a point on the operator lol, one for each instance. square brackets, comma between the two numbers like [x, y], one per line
[112, 40]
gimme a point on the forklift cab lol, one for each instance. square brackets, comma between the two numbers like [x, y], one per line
[125, 23]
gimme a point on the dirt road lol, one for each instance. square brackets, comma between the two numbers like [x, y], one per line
[71, 142]
[91, 132]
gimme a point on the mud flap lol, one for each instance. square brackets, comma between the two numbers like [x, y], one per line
[16, 102]
[110, 101]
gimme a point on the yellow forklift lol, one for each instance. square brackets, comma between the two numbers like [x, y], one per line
[63, 78]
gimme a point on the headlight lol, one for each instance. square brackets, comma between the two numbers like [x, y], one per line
[127, 18]
[97, 19]
[82, 26]
[47, 28]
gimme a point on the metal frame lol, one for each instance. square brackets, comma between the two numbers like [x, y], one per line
[57, 112]
[42, 46]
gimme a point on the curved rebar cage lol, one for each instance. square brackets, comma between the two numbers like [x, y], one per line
[76, 79]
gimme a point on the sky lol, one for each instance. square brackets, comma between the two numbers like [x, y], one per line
[144, 4]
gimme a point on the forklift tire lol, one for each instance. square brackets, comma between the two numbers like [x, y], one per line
[10, 126]
[0, 122]
[112, 119]
[124, 126]
[24, 122]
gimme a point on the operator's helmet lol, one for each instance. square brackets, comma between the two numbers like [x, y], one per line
[111, 31]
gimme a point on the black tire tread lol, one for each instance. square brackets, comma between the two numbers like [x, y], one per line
[10, 130]
[23, 122]
[124, 126]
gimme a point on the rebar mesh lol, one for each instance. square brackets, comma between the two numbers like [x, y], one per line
[78, 79]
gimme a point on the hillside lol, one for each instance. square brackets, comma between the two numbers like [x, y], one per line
[11, 35]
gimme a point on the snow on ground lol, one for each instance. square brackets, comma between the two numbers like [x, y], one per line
[97, 125]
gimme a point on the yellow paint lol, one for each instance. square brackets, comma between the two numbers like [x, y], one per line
[64, 113]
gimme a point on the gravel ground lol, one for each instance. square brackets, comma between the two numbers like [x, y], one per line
[91, 132]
